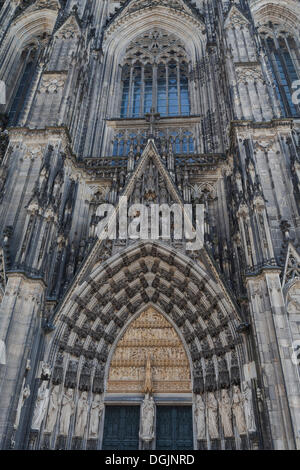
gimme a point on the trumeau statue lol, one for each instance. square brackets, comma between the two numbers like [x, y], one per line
[25, 392]
[82, 415]
[96, 412]
[40, 406]
[212, 413]
[67, 409]
[238, 410]
[248, 407]
[225, 412]
[53, 409]
[147, 420]
[200, 418]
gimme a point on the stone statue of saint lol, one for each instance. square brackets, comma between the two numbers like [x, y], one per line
[147, 424]
[225, 412]
[238, 410]
[67, 409]
[25, 392]
[40, 406]
[200, 418]
[53, 409]
[82, 415]
[212, 414]
[248, 407]
[96, 412]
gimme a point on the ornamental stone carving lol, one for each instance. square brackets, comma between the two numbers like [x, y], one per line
[40, 406]
[52, 83]
[150, 335]
[247, 74]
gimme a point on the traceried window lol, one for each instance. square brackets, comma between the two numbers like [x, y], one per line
[155, 75]
[284, 63]
[181, 142]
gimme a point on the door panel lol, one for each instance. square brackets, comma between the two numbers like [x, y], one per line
[174, 428]
[121, 428]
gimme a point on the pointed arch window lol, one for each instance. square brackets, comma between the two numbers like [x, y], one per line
[155, 75]
[284, 63]
[28, 64]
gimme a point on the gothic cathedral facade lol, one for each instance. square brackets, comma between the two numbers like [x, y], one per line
[116, 343]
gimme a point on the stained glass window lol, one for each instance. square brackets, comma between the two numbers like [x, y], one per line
[283, 68]
[155, 78]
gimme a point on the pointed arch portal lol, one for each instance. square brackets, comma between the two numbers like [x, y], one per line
[147, 329]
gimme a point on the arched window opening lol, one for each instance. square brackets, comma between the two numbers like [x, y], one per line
[283, 58]
[155, 75]
[28, 60]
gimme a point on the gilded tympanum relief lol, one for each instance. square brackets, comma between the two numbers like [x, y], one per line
[150, 341]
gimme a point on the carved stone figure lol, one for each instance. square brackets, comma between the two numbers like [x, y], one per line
[248, 407]
[212, 414]
[53, 409]
[96, 412]
[67, 410]
[82, 415]
[40, 406]
[200, 417]
[225, 412]
[238, 410]
[25, 392]
[147, 422]
[46, 371]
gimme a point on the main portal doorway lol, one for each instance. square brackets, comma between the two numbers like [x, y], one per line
[174, 428]
[149, 366]
[121, 428]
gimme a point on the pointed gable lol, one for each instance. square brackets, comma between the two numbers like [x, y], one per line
[149, 163]
[70, 27]
[44, 4]
[151, 156]
[133, 6]
[235, 18]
